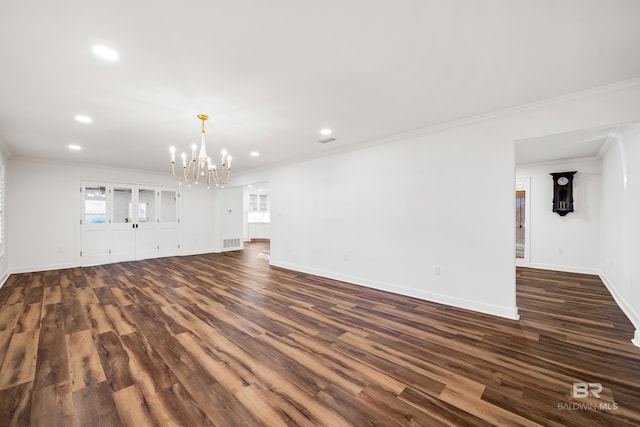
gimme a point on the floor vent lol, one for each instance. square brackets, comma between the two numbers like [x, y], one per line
[230, 243]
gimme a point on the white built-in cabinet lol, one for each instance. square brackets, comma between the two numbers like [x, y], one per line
[259, 230]
[124, 222]
[258, 202]
[259, 218]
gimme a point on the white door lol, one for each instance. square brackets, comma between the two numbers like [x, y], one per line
[168, 231]
[94, 225]
[146, 202]
[123, 225]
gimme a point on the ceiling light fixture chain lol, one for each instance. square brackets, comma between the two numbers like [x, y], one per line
[202, 166]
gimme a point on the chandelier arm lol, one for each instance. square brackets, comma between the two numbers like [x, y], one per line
[194, 171]
[224, 179]
[186, 177]
[186, 170]
[173, 171]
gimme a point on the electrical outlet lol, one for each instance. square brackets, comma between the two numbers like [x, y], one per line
[436, 270]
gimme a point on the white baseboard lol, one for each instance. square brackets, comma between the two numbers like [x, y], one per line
[495, 310]
[234, 248]
[199, 252]
[565, 268]
[626, 308]
[4, 278]
[36, 268]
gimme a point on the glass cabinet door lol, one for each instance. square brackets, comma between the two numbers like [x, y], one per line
[146, 209]
[168, 206]
[122, 205]
[95, 204]
[94, 223]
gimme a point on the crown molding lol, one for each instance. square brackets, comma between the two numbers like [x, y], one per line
[625, 84]
[498, 114]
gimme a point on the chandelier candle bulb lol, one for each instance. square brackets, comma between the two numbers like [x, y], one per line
[173, 154]
[201, 164]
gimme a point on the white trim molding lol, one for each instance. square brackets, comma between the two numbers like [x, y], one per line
[626, 308]
[565, 268]
[45, 267]
[4, 278]
[494, 310]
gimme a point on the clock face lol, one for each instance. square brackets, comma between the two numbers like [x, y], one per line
[563, 180]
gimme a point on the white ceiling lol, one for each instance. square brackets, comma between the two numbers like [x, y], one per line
[563, 146]
[271, 74]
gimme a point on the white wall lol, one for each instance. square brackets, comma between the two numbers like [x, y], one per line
[620, 254]
[571, 242]
[43, 211]
[197, 220]
[385, 215]
[228, 216]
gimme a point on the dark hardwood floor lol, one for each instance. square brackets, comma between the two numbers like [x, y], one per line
[226, 340]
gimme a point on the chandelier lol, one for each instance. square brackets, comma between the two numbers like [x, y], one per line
[201, 166]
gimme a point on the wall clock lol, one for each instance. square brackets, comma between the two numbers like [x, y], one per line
[563, 192]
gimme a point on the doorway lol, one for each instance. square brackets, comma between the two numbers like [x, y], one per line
[257, 211]
[522, 243]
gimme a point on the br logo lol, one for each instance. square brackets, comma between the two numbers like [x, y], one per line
[583, 390]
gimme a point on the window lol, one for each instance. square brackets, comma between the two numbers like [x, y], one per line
[95, 205]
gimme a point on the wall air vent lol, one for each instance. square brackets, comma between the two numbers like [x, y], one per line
[325, 140]
[230, 243]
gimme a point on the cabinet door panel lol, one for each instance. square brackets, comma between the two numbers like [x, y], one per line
[123, 247]
[94, 225]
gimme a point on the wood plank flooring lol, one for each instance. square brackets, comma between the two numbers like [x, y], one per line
[226, 340]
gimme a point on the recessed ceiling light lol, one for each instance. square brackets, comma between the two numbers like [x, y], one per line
[105, 53]
[83, 119]
[254, 154]
[74, 147]
[326, 131]
[250, 186]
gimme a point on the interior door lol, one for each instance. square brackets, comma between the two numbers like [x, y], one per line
[94, 224]
[123, 226]
[146, 235]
